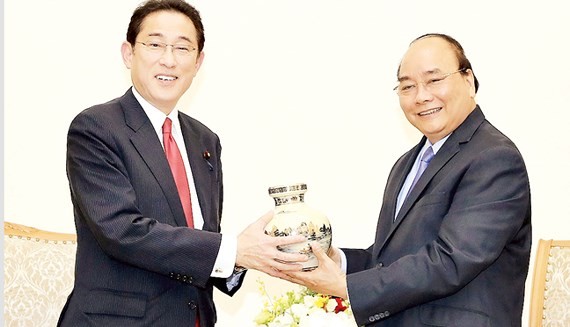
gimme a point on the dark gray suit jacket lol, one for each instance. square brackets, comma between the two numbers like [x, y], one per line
[137, 262]
[458, 252]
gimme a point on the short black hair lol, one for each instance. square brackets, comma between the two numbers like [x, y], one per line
[152, 6]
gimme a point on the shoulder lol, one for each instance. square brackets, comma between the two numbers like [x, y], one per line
[489, 139]
[481, 138]
[491, 153]
[107, 114]
[195, 125]
[107, 111]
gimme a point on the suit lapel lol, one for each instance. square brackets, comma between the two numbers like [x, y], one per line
[150, 149]
[201, 173]
[386, 221]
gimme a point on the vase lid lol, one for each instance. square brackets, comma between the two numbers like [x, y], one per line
[286, 189]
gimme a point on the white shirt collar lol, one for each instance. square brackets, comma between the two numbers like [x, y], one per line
[156, 116]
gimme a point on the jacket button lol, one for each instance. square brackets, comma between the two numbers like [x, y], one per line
[371, 319]
[192, 305]
[379, 265]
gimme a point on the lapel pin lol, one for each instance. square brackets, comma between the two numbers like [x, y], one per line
[206, 155]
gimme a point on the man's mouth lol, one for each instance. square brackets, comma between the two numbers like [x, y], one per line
[166, 78]
[429, 112]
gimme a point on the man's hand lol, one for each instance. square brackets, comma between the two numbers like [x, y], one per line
[327, 279]
[257, 250]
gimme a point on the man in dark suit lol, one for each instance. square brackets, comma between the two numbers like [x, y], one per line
[138, 263]
[453, 249]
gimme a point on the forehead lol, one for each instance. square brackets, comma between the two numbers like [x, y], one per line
[428, 55]
[170, 25]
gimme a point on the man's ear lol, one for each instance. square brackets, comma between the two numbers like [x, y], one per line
[127, 53]
[199, 62]
[470, 78]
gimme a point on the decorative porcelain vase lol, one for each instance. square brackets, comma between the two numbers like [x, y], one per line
[293, 217]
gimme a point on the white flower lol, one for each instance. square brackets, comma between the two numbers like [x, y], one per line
[331, 305]
[284, 320]
[316, 319]
[309, 300]
[320, 319]
[299, 310]
[327, 319]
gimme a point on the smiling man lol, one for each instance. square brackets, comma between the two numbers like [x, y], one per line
[453, 238]
[146, 186]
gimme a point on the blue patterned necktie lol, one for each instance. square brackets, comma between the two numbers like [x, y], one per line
[424, 162]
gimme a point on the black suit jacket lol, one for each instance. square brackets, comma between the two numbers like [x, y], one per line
[458, 252]
[138, 264]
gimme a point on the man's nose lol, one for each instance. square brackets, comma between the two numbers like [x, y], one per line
[168, 58]
[423, 93]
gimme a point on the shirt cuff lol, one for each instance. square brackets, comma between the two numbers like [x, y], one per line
[343, 263]
[343, 267]
[226, 259]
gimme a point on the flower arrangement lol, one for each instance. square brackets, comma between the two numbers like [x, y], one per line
[303, 308]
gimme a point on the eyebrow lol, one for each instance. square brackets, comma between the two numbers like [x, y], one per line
[184, 38]
[425, 73]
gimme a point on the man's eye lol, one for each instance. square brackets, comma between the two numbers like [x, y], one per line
[435, 80]
[182, 49]
[408, 87]
[155, 45]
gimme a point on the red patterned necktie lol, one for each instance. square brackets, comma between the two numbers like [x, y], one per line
[178, 171]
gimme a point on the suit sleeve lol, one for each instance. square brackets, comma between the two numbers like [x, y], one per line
[357, 259]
